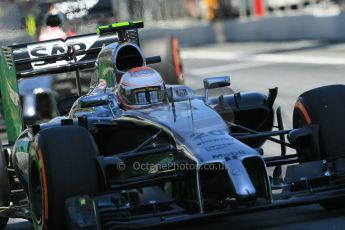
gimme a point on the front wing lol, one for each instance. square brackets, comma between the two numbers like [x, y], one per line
[147, 205]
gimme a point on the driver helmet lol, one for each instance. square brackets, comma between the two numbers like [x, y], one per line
[140, 87]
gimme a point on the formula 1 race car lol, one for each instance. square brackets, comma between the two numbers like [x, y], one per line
[182, 158]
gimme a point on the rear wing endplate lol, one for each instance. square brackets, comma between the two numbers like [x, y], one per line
[10, 95]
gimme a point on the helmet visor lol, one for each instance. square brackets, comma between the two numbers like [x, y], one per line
[145, 96]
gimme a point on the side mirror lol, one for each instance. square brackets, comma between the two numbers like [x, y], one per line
[296, 135]
[153, 60]
[306, 141]
[215, 82]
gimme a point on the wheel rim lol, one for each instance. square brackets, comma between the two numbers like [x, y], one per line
[36, 194]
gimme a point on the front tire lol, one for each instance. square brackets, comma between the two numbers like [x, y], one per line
[62, 165]
[325, 107]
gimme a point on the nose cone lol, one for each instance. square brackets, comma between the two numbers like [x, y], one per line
[241, 182]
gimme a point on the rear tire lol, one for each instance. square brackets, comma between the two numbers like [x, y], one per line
[171, 66]
[4, 186]
[63, 166]
[325, 107]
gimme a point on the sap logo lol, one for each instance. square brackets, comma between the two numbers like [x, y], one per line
[51, 49]
[41, 51]
[44, 51]
[54, 49]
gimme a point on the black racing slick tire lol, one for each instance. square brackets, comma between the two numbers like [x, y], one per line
[4, 187]
[171, 67]
[63, 165]
[324, 107]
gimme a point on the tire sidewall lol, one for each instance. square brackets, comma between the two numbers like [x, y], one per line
[324, 108]
[174, 51]
[65, 161]
[34, 162]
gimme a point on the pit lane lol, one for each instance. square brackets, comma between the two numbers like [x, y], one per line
[294, 67]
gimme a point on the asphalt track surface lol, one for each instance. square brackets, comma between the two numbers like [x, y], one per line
[294, 67]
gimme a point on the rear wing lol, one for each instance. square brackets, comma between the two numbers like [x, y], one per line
[56, 56]
[53, 56]
[74, 53]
